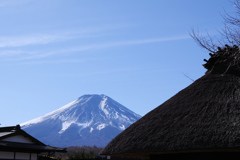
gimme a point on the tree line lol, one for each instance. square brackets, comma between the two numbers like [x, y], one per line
[82, 153]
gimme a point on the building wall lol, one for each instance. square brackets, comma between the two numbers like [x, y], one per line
[34, 156]
[6, 155]
[18, 155]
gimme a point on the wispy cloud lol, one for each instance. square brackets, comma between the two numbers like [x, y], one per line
[39, 46]
[21, 55]
[99, 46]
[144, 41]
[54, 61]
[108, 71]
[28, 40]
[105, 45]
[60, 36]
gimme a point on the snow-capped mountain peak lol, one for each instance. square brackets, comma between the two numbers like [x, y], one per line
[87, 116]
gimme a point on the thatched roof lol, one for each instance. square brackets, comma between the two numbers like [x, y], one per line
[204, 117]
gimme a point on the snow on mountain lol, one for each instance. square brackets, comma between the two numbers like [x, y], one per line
[89, 120]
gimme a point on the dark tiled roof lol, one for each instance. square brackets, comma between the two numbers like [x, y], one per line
[36, 146]
[3, 134]
[6, 132]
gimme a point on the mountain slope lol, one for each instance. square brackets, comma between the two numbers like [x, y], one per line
[89, 120]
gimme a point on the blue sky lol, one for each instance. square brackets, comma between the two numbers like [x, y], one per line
[135, 51]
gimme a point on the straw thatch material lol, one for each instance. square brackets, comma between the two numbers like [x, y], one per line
[204, 117]
[225, 61]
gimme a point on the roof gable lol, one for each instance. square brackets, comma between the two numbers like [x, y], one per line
[2, 134]
[16, 134]
[18, 139]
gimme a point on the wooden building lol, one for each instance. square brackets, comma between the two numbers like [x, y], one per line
[17, 144]
[202, 121]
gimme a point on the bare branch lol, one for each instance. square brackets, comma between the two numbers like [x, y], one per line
[230, 34]
[203, 41]
[188, 77]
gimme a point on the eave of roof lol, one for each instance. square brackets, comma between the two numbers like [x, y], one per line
[25, 147]
[148, 154]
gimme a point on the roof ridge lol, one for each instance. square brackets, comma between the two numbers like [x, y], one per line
[224, 61]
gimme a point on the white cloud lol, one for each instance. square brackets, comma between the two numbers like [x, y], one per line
[144, 41]
[24, 48]
[108, 71]
[60, 36]
[124, 43]
[29, 40]
[21, 55]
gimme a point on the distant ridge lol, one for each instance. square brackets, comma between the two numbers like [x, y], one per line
[89, 120]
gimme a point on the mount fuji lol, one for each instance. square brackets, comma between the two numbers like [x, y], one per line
[89, 120]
